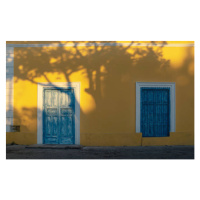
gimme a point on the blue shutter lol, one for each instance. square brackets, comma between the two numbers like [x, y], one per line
[155, 115]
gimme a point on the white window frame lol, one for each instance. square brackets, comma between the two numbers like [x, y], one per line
[41, 86]
[170, 85]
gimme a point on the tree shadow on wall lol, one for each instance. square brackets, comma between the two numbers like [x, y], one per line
[109, 72]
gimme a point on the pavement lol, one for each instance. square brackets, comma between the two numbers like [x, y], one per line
[86, 152]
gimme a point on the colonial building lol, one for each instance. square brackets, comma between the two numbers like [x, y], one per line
[100, 93]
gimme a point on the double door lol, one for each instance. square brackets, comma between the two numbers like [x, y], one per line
[58, 116]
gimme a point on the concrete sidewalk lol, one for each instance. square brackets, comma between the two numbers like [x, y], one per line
[81, 152]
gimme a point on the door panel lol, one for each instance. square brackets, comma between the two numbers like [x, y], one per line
[66, 115]
[59, 110]
[155, 118]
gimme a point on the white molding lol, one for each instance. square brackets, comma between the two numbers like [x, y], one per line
[172, 102]
[9, 106]
[41, 86]
[8, 128]
[9, 50]
[10, 54]
[9, 92]
[9, 60]
[9, 70]
[9, 77]
[99, 44]
[9, 114]
[9, 86]
[9, 83]
[9, 98]
[8, 121]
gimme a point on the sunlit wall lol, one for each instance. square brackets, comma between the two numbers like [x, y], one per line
[108, 98]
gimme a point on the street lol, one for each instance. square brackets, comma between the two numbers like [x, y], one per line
[79, 152]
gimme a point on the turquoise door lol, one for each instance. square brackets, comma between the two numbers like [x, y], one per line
[155, 115]
[58, 116]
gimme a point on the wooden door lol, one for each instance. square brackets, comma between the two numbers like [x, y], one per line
[58, 116]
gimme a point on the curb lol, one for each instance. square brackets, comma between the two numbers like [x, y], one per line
[54, 147]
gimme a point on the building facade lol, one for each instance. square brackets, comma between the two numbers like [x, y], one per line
[100, 93]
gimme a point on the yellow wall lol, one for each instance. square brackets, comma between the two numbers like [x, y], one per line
[108, 76]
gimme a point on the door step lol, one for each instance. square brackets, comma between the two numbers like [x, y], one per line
[53, 146]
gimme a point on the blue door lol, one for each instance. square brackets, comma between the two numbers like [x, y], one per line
[155, 115]
[58, 116]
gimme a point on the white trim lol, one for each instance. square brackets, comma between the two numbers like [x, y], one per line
[8, 129]
[100, 44]
[9, 91]
[41, 86]
[8, 121]
[9, 99]
[9, 114]
[9, 70]
[172, 102]
[9, 50]
[9, 86]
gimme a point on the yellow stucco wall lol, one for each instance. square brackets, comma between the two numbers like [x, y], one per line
[108, 75]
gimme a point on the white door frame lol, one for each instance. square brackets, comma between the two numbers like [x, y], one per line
[172, 102]
[59, 85]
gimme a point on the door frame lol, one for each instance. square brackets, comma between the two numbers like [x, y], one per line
[58, 85]
[172, 110]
